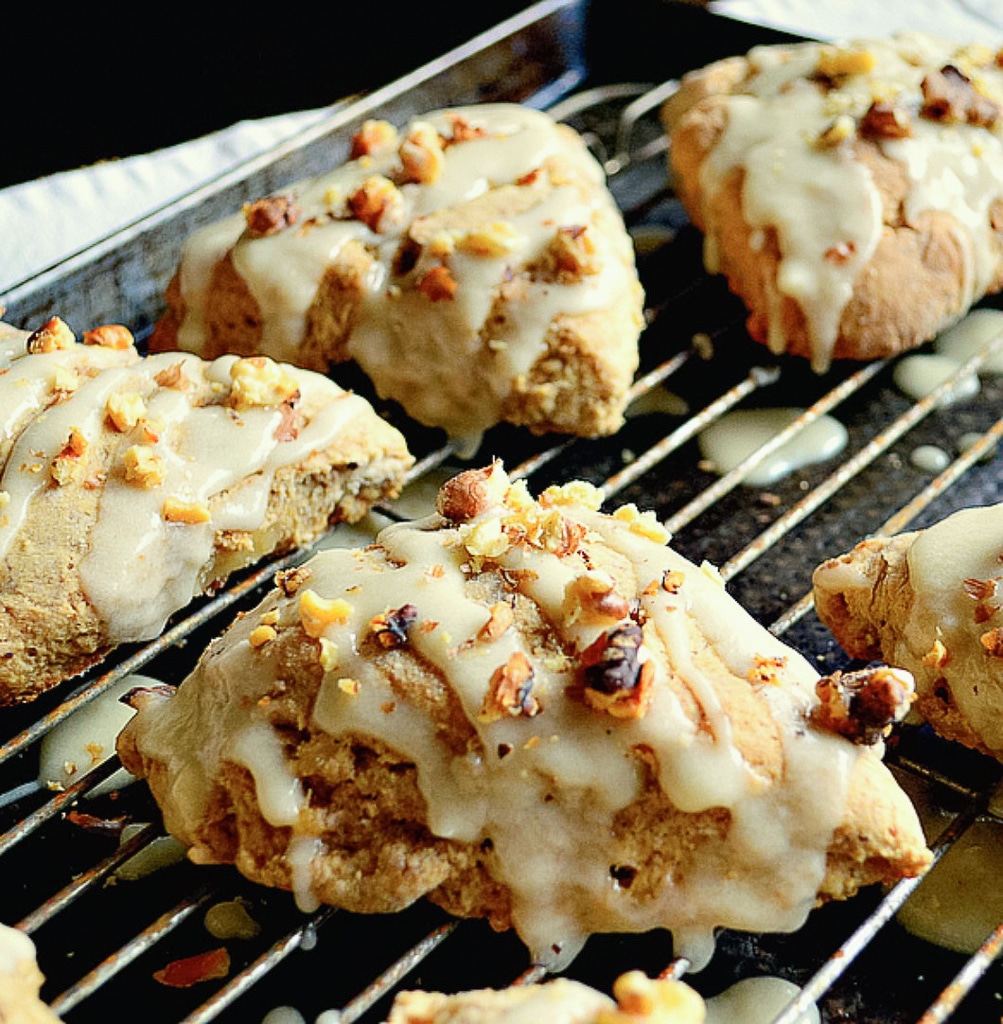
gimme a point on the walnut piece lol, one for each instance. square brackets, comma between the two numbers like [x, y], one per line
[52, 336]
[258, 381]
[270, 216]
[191, 513]
[318, 613]
[125, 410]
[863, 705]
[421, 154]
[378, 203]
[471, 493]
[949, 96]
[617, 673]
[510, 691]
[438, 284]
[885, 121]
[114, 336]
[68, 463]
[373, 136]
[391, 629]
[143, 466]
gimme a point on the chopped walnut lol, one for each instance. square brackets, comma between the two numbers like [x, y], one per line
[270, 216]
[69, 462]
[144, 466]
[572, 252]
[52, 336]
[421, 154]
[318, 613]
[114, 336]
[937, 657]
[390, 629]
[510, 691]
[948, 95]
[642, 523]
[840, 253]
[260, 382]
[577, 492]
[471, 493]
[980, 590]
[191, 513]
[837, 61]
[328, 654]
[863, 705]
[837, 131]
[173, 377]
[617, 673]
[992, 641]
[289, 581]
[373, 136]
[378, 203]
[672, 580]
[124, 411]
[885, 121]
[438, 284]
[261, 635]
[593, 597]
[496, 238]
[500, 618]
[463, 130]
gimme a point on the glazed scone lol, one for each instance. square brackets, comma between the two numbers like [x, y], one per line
[131, 484]
[639, 1000]
[852, 195]
[21, 981]
[529, 711]
[473, 264]
[929, 601]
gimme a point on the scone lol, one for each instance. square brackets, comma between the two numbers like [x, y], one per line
[928, 601]
[852, 195]
[131, 484]
[639, 1000]
[533, 712]
[20, 981]
[473, 264]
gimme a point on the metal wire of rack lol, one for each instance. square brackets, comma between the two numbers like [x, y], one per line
[655, 462]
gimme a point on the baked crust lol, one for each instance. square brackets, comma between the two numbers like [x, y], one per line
[926, 601]
[471, 301]
[381, 713]
[871, 137]
[143, 429]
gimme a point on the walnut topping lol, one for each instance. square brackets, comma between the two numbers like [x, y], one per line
[52, 336]
[110, 336]
[992, 641]
[617, 673]
[143, 466]
[980, 590]
[261, 635]
[270, 216]
[510, 691]
[191, 513]
[840, 253]
[592, 597]
[838, 130]
[372, 137]
[438, 284]
[948, 95]
[124, 411]
[863, 705]
[642, 523]
[421, 154]
[572, 252]
[328, 654]
[173, 377]
[496, 238]
[289, 581]
[577, 492]
[766, 670]
[67, 464]
[391, 628]
[471, 493]
[672, 580]
[378, 203]
[937, 657]
[885, 121]
[463, 130]
[318, 613]
[500, 617]
[836, 61]
[259, 381]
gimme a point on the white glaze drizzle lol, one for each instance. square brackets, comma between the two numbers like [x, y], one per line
[819, 199]
[430, 356]
[551, 801]
[140, 568]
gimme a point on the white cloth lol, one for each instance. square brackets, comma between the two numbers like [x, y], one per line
[45, 220]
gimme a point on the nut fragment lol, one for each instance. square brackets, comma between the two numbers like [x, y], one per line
[318, 613]
[617, 673]
[143, 466]
[391, 629]
[863, 705]
[500, 617]
[261, 635]
[378, 203]
[836, 61]
[271, 215]
[191, 513]
[114, 336]
[260, 382]
[992, 641]
[572, 252]
[421, 154]
[373, 136]
[52, 336]
[885, 121]
[471, 493]
[125, 410]
[949, 96]
[839, 130]
[496, 238]
[68, 463]
[510, 691]
[289, 581]
[463, 130]
[593, 597]
[438, 284]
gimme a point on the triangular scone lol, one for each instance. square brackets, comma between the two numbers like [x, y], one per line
[131, 484]
[850, 194]
[21, 980]
[928, 601]
[473, 264]
[525, 710]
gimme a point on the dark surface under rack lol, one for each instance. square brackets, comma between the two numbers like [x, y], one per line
[100, 943]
